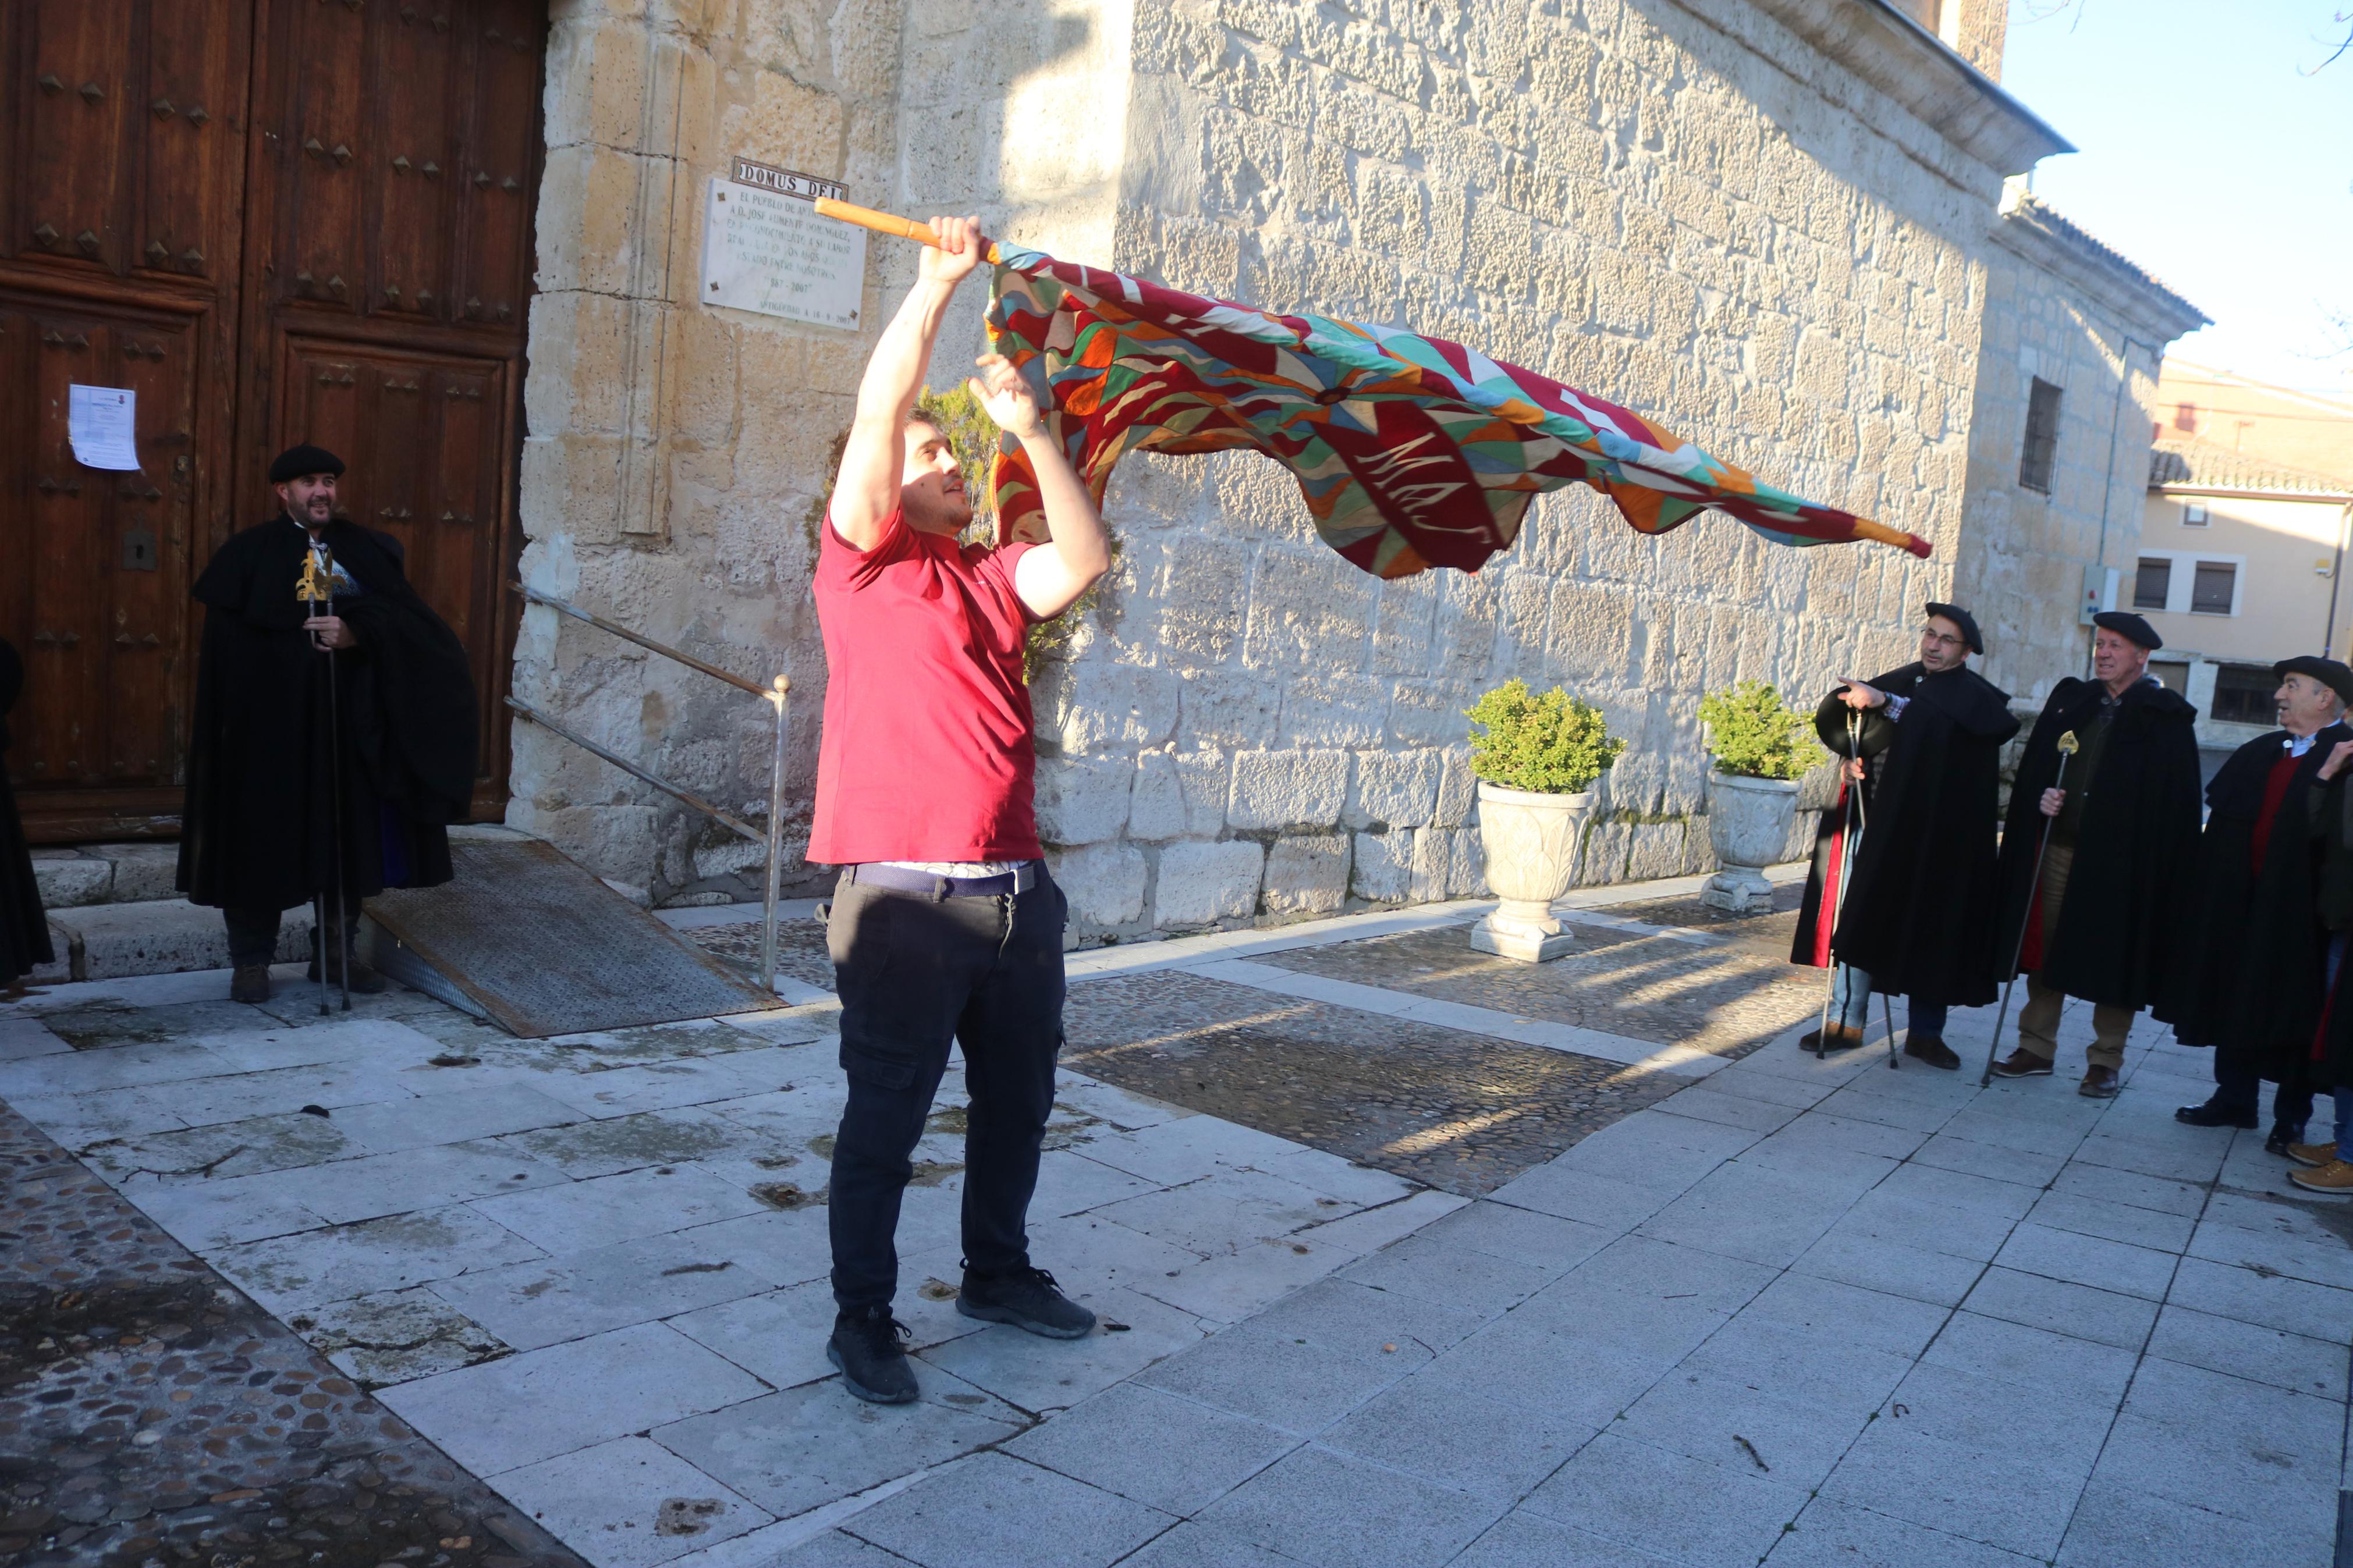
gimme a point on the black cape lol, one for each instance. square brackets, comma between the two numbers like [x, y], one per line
[1919, 916]
[2247, 972]
[1836, 832]
[2330, 810]
[2133, 857]
[24, 925]
[257, 830]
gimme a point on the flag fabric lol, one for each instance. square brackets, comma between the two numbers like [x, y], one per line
[1412, 452]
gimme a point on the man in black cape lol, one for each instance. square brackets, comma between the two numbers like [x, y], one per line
[2124, 832]
[2328, 1061]
[260, 832]
[1917, 919]
[24, 942]
[2247, 976]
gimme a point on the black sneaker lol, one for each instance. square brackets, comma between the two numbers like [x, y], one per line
[1029, 1299]
[2214, 1113]
[870, 1349]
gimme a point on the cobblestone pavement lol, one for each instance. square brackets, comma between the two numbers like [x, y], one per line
[150, 1413]
[1454, 1110]
[801, 948]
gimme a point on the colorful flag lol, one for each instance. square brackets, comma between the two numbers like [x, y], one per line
[1412, 452]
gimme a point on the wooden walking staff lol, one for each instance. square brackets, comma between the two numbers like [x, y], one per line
[2068, 747]
[892, 224]
[317, 589]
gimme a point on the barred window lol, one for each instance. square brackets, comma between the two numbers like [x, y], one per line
[2243, 695]
[2034, 464]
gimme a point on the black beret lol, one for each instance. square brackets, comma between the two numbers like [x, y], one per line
[2129, 626]
[296, 461]
[1963, 619]
[2332, 673]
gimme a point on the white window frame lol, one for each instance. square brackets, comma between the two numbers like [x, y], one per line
[2181, 585]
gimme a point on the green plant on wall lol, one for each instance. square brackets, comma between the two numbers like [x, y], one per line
[1551, 742]
[1753, 736]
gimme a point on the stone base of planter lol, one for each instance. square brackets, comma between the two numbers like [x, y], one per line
[1742, 890]
[1513, 939]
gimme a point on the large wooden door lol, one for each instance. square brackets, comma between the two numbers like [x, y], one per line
[276, 220]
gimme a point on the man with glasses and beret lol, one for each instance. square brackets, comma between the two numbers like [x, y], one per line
[2250, 975]
[1917, 917]
[343, 728]
[2097, 923]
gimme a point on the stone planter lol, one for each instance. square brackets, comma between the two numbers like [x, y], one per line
[1749, 827]
[1531, 839]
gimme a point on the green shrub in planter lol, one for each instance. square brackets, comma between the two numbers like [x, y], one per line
[1753, 736]
[1553, 743]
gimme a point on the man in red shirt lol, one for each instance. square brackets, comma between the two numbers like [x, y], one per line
[945, 924]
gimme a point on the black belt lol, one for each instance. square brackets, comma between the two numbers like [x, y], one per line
[905, 880]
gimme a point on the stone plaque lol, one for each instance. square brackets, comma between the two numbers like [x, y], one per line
[766, 250]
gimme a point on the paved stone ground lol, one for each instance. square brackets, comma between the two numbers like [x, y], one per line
[150, 1413]
[1752, 1307]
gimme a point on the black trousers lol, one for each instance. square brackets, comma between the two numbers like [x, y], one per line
[253, 933]
[2242, 1090]
[914, 972]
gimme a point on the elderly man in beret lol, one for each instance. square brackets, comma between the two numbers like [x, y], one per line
[2097, 923]
[322, 732]
[2248, 978]
[1924, 740]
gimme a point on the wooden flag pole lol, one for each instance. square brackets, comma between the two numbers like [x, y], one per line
[893, 224]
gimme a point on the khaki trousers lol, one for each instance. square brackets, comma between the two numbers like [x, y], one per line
[2038, 1024]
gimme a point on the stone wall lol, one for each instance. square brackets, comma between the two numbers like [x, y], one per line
[2062, 309]
[678, 455]
[1762, 222]
[1724, 228]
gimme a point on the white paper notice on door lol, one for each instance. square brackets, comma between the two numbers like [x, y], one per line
[102, 421]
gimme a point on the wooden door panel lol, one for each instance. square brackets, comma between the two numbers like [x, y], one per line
[102, 626]
[191, 123]
[69, 85]
[324, 160]
[418, 138]
[502, 162]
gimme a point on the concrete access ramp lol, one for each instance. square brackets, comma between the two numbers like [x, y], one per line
[535, 943]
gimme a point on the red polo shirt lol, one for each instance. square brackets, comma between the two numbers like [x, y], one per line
[927, 753]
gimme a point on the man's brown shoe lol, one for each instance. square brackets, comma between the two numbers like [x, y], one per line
[250, 983]
[2334, 1180]
[2313, 1156]
[1837, 1038]
[2022, 1063]
[1931, 1049]
[2099, 1083]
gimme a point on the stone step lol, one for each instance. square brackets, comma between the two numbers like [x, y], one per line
[78, 876]
[159, 936]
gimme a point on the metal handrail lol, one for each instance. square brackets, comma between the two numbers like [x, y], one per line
[777, 695]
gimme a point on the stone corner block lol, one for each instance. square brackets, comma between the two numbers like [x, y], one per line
[68, 879]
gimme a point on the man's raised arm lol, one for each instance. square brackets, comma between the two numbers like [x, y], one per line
[865, 492]
[1049, 578]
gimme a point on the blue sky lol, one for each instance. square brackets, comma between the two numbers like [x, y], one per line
[2212, 159]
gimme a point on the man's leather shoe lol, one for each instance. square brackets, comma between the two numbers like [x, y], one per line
[2022, 1063]
[2214, 1113]
[2099, 1083]
[1837, 1038]
[870, 1349]
[2283, 1139]
[250, 983]
[1931, 1049]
